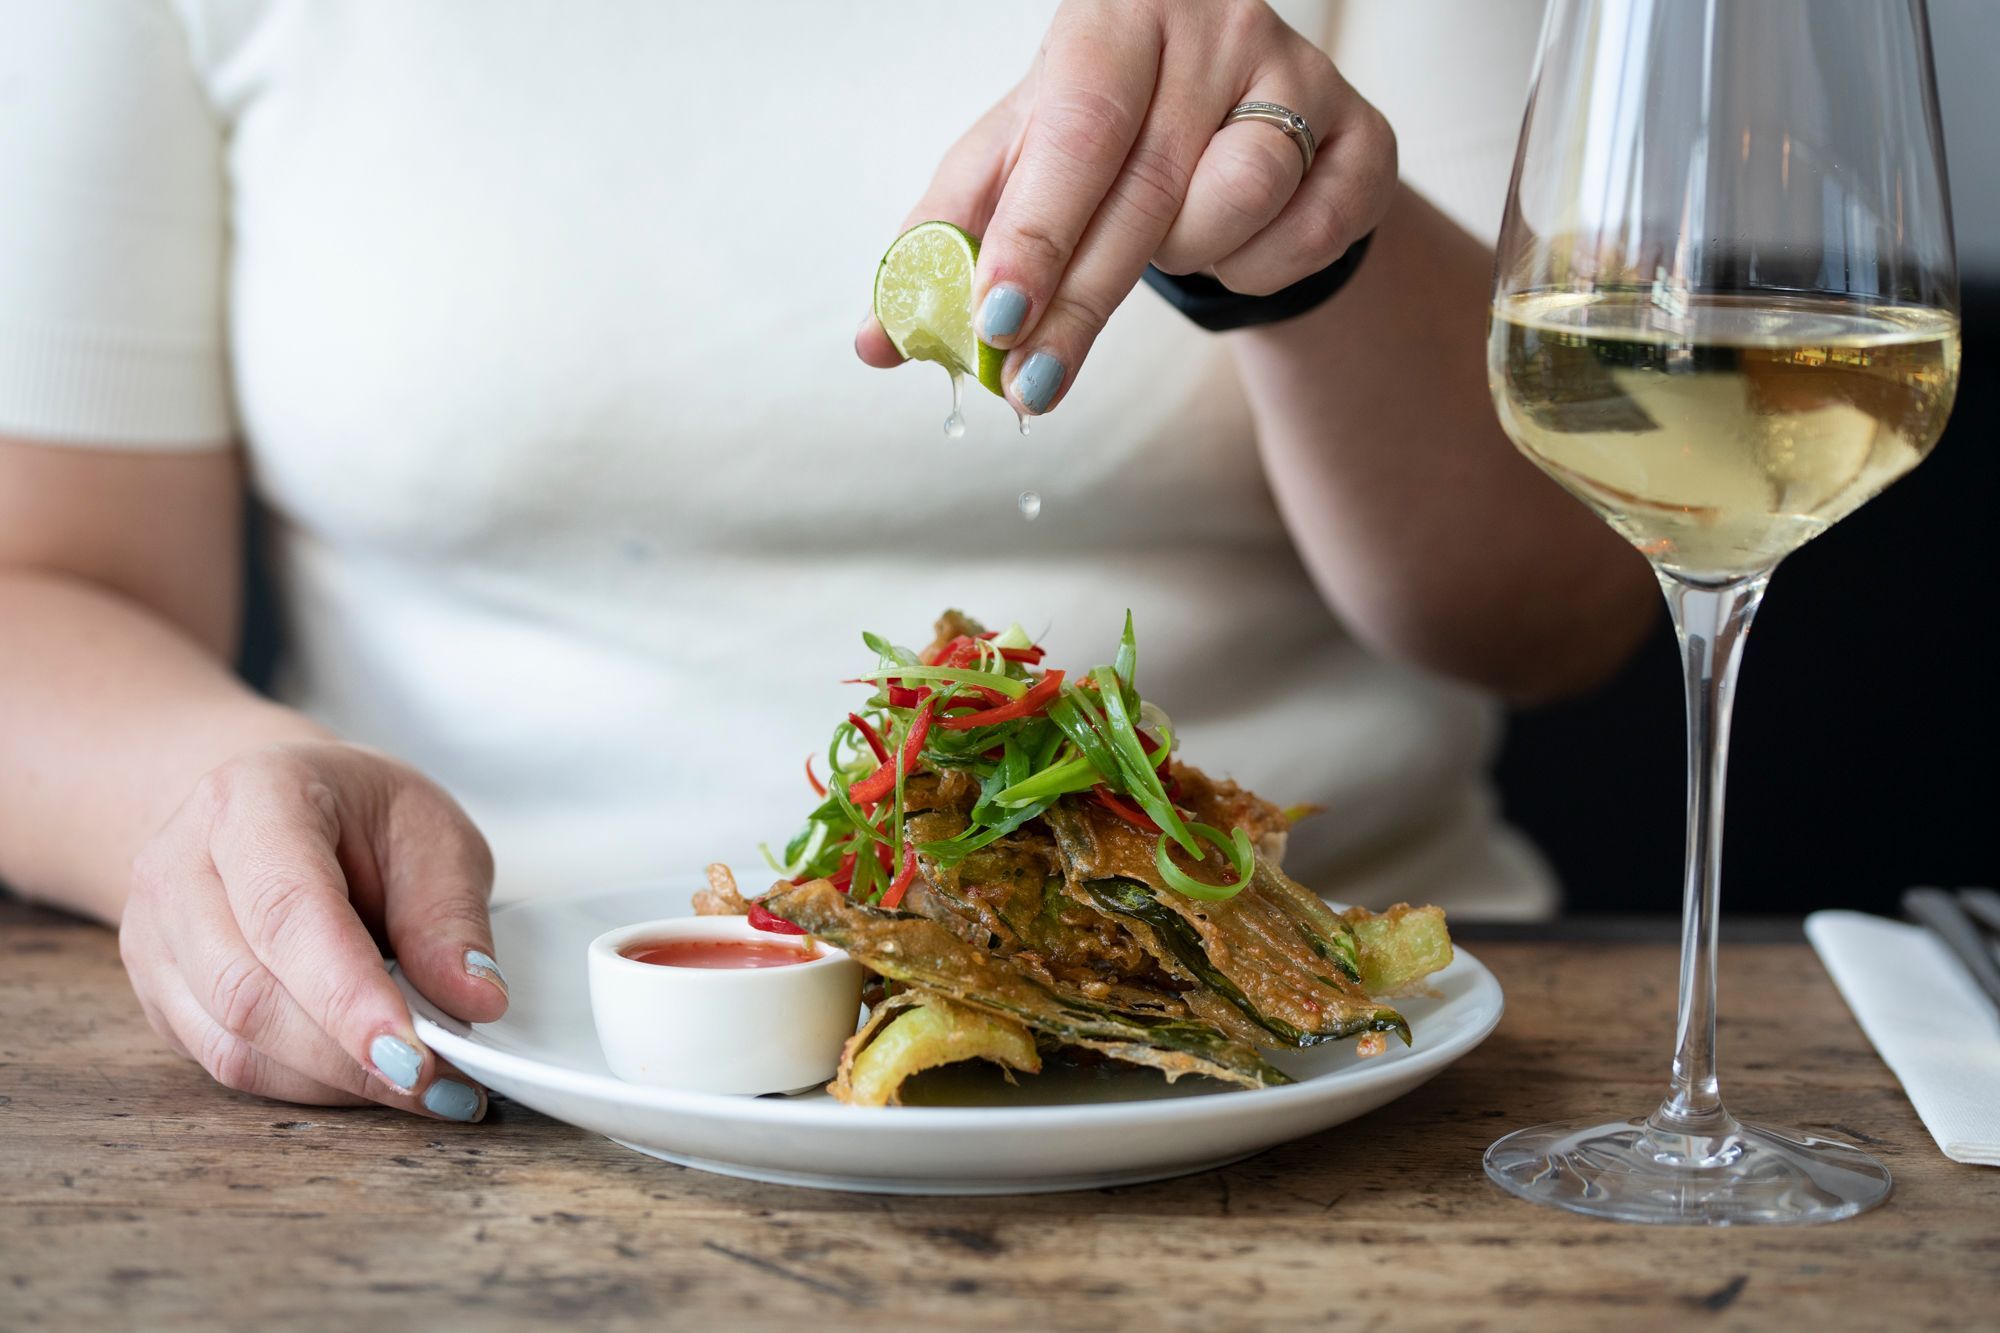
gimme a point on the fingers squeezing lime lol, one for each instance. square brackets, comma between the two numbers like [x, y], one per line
[923, 298]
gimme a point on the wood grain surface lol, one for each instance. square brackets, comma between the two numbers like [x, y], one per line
[135, 1194]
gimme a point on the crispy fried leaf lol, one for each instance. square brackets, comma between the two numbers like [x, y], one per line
[1274, 951]
[1139, 1025]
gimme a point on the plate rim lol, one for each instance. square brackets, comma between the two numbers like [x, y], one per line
[779, 1111]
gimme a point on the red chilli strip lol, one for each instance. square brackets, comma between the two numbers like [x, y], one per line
[903, 696]
[968, 696]
[843, 878]
[961, 651]
[1136, 818]
[901, 886]
[819, 788]
[1032, 655]
[1029, 704]
[874, 738]
[883, 780]
[762, 919]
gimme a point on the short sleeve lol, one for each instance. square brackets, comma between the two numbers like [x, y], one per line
[1452, 77]
[113, 230]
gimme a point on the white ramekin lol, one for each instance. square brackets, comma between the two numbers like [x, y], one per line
[740, 1030]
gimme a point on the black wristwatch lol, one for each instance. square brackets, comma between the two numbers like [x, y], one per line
[1217, 309]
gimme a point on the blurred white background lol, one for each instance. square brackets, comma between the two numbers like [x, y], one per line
[1398, 53]
[1965, 34]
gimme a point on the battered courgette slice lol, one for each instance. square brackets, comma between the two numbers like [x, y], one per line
[1398, 948]
[1135, 1023]
[916, 1030]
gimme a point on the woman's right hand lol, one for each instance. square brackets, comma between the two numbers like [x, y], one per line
[258, 916]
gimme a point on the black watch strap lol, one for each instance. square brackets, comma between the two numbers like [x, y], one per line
[1217, 309]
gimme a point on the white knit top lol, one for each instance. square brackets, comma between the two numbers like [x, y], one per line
[533, 320]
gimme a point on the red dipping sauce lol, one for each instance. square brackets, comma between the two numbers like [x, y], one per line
[718, 953]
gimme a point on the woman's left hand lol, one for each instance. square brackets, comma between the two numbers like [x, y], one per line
[1107, 157]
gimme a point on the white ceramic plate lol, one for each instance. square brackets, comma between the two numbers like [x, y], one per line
[1054, 1132]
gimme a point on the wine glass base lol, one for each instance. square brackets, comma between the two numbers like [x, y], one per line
[1748, 1175]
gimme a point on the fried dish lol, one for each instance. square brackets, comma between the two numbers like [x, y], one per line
[1023, 858]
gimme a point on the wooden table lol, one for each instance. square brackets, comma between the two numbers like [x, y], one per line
[133, 1193]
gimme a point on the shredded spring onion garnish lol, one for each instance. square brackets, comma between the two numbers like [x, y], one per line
[1031, 736]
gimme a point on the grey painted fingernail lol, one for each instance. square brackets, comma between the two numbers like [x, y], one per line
[1038, 381]
[396, 1060]
[482, 965]
[1001, 313]
[451, 1099]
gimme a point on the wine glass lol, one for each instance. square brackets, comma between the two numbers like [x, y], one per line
[1724, 316]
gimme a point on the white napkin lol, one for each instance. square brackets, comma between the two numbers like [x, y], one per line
[1934, 1027]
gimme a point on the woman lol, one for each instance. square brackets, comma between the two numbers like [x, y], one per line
[521, 324]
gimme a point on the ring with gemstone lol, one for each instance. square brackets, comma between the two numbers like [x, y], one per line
[1291, 122]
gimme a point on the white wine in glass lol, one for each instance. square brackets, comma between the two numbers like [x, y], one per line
[1722, 437]
[1724, 317]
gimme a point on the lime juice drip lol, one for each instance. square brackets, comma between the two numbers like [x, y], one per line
[954, 425]
[1031, 505]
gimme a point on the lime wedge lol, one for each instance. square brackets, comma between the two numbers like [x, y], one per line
[923, 296]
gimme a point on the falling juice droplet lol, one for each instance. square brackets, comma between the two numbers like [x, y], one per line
[1022, 418]
[954, 425]
[1031, 505]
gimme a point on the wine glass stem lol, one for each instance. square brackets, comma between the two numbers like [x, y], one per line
[1712, 621]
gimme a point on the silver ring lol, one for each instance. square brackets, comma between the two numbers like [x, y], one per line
[1291, 122]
